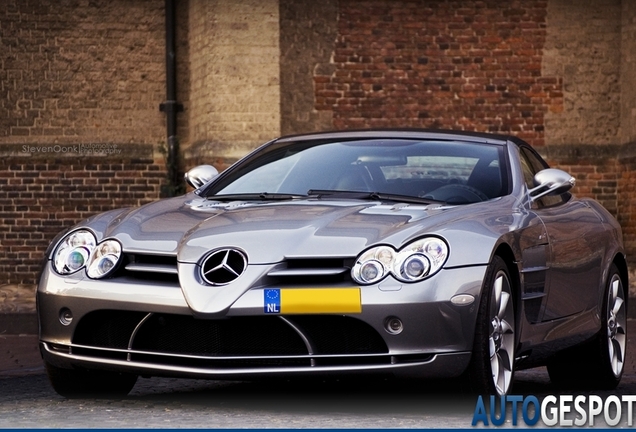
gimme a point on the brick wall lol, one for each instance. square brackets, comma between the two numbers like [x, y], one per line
[308, 32]
[583, 48]
[441, 64]
[42, 195]
[78, 72]
[628, 71]
[234, 85]
[597, 170]
[558, 73]
[76, 78]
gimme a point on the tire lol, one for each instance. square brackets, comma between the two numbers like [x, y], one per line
[77, 383]
[598, 364]
[491, 368]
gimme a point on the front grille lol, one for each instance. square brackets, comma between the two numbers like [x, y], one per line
[311, 271]
[107, 328]
[247, 336]
[158, 268]
[340, 335]
[260, 341]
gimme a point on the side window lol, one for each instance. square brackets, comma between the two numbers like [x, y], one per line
[532, 165]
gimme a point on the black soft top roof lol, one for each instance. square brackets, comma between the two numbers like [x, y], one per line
[433, 134]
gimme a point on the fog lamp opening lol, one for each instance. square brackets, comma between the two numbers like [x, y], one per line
[66, 316]
[393, 325]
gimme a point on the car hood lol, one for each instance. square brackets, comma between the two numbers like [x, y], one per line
[268, 232]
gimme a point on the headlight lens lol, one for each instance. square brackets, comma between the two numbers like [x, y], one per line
[414, 262]
[373, 265]
[413, 268]
[73, 252]
[80, 250]
[104, 259]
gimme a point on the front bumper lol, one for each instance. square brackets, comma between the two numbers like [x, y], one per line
[147, 328]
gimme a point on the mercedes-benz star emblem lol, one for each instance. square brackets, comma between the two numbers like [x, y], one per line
[223, 266]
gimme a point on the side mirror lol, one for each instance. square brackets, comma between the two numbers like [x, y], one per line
[551, 181]
[200, 175]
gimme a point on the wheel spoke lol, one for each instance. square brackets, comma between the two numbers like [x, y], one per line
[492, 346]
[506, 328]
[502, 380]
[618, 351]
[617, 358]
[505, 297]
[505, 360]
[618, 303]
[614, 291]
[620, 331]
[497, 288]
[508, 344]
[494, 367]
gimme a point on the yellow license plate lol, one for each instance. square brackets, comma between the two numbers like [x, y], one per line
[313, 300]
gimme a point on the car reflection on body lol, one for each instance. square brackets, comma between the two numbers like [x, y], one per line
[411, 253]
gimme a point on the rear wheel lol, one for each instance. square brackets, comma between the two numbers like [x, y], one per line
[598, 363]
[491, 369]
[74, 383]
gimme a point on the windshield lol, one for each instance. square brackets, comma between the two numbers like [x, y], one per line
[449, 171]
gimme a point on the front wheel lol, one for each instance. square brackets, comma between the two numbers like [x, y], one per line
[491, 369]
[74, 383]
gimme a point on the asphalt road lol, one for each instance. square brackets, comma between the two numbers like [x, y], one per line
[27, 400]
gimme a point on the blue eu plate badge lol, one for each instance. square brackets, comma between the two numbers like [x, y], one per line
[272, 300]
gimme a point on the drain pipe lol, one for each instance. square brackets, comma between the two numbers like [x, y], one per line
[171, 107]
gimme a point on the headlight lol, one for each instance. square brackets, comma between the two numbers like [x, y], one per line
[104, 259]
[80, 250]
[373, 265]
[414, 262]
[73, 252]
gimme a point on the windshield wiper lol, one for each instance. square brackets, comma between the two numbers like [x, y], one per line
[376, 196]
[262, 196]
[319, 193]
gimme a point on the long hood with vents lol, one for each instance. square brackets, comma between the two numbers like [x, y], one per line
[269, 232]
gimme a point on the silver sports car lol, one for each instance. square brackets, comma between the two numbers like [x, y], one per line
[404, 253]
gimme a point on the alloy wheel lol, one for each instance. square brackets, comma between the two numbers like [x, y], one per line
[502, 334]
[616, 323]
